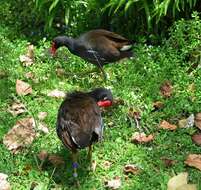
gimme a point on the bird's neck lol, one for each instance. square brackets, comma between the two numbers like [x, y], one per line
[68, 42]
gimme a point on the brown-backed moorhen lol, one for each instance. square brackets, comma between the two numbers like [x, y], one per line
[79, 122]
[99, 47]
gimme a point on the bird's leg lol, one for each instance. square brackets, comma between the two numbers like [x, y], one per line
[89, 156]
[103, 72]
[75, 166]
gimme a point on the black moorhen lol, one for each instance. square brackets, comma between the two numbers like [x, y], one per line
[99, 47]
[79, 122]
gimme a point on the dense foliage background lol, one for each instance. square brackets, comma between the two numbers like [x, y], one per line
[131, 17]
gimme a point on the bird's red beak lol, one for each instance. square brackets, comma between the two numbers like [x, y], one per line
[104, 103]
[53, 49]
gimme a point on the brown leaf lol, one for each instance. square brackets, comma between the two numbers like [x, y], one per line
[141, 138]
[177, 181]
[194, 160]
[29, 75]
[17, 108]
[56, 160]
[168, 162]
[113, 183]
[42, 115]
[158, 105]
[132, 169]
[21, 135]
[166, 89]
[187, 123]
[107, 164]
[30, 51]
[56, 94]
[23, 88]
[4, 184]
[197, 139]
[117, 102]
[198, 120]
[60, 72]
[134, 114]
[165, 125]
[43, 155]
[28, 59]
[43, 127]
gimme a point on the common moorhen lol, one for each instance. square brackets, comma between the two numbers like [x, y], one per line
[99, 47]
[79, 122]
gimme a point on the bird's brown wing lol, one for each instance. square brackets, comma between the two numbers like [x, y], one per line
[110, 35]
[80, 122]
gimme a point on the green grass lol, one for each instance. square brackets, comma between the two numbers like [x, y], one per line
[135, 81]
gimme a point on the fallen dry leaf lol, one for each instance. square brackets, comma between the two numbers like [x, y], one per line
[165, 125]
[177, 181]
[134, 114]
[197, 139]
[131, 169]
[111, 124]
[106, 164]
[17, 108]
[194, 160]
[187, 123]
[21, 135]
[43, 127]
[4, 184]
[60, 72]
[43, 155]
[23, 88]
[117, 102]
[158, 105]
[166, 89]
[187, 187]
[113, 183]
[56, 160]
[57, 94]
[42, 115]
[28, 59]
[141, 138]
[198, 120]
[168, 162]
[29, 75]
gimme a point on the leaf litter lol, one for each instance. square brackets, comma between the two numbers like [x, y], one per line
[114, 183]
[196, 138]
[198, 120]
[17, 108]
[4, 184]
[23, 88]
[194, 160]
[56, 94]
[166, 125]
[28, 58]
[166, 89]
[131, 169]
[21, 135]
[141, 138]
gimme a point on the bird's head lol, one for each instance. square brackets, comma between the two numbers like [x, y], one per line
[58, 42]
[102, 96]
